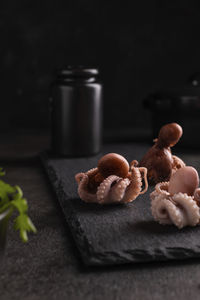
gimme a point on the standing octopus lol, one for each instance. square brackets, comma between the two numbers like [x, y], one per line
[113, 181]
[159, 161]
[177, 201]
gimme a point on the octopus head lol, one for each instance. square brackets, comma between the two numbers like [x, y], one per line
[113, 164]
[184, 180]
[169, 135]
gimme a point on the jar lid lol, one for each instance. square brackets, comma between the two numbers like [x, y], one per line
[79, 71]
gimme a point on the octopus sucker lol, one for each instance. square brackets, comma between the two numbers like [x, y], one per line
[113, 181]
[175, 202]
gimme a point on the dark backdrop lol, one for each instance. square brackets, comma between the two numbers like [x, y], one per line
[138, 48]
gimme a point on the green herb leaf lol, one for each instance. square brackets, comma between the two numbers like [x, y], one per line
[19, 202]
[5, 191]
[2, 172]
[23, 223]
[12, 197]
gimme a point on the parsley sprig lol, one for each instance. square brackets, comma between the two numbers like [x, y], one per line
[11, 198]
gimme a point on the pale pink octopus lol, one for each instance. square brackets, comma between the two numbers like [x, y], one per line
[177, 201]
[113, 181]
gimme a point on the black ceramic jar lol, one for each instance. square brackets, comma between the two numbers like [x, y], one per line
[76, 112]
[4, 220]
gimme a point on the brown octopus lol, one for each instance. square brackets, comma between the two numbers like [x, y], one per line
[177, 201]
[158, 160]
[113, 181]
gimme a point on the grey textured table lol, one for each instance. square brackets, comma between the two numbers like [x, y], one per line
[49, 266]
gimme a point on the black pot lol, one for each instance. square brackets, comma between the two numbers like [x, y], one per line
[4, 219]
[177, 105]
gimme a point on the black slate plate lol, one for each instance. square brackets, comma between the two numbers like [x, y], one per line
[119, 233]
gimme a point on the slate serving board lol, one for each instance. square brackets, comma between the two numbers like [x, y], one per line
[118, 234]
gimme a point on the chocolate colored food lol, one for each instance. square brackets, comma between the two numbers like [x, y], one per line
[159, 161]
[177, 201]
[113, 181]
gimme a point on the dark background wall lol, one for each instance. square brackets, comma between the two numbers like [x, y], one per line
[139, 46]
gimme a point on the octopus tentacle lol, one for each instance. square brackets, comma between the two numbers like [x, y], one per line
[89, 173]
[177, 163]
[197, 196]
[164, 211]
[162, 188]
[190, 210]
[103, 191]
[179, 209]
[79, 177]
[158, 196]
[118, 190]
[160, 193]
[92, 171]
[134, 163]
[144, 176]
[83, 191]
[134, 188]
